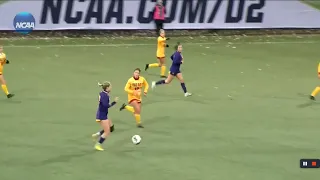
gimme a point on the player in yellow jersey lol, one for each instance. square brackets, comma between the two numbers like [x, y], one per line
[3, 61]
[317, 89]
[161, 46]
[134, 87]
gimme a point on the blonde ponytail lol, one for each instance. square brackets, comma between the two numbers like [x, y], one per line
[104, 85]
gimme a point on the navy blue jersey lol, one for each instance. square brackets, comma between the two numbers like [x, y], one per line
[104, 102]
[104, 105]
[176, 62]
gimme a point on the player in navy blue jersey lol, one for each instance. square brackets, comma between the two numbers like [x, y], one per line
[177, 60]
[102, 115]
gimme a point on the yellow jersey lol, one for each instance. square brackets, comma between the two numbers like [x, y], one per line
[136, 85]
[161, 47]
[3, 60]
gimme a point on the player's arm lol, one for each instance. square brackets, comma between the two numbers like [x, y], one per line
[163, 40]
[166, 45]
[146, 86]
[105, 101]
[127, 88]
[6, 61]
[3, 61]
[113, 102]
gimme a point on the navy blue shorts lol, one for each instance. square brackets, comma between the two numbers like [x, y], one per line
[174, 73]
[101, 116]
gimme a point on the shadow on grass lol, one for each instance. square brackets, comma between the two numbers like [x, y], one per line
[10, 101]
[67, 157]
[308, 103]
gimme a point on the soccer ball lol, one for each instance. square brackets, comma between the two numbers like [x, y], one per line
[136, 139]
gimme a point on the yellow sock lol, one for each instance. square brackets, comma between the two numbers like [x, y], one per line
[129, 108]
[163, 70]
[138, 118]
[5, 89]
[315, 91]
[154, 65]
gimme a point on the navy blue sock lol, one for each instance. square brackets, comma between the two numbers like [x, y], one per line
[101, 140]
[160, 82]
[184, 87]
[101, 132]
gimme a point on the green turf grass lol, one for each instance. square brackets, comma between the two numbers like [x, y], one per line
[249, 117]
[313, 3]
[3, 1]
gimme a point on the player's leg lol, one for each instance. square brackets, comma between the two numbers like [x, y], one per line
[137, 110]
[127, 107]
[98, 134]
[163, 81]
[105, 124]
[183, 85]
[314, 93]
[162, 62]
[111, 126]
[152, 65]
[4, 86]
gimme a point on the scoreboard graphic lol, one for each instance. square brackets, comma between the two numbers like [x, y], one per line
[309, 163]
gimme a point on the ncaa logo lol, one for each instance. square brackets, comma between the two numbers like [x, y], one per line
[24, 22]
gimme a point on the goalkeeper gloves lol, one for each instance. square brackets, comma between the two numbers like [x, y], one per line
[167, 45]
[167, 38]
[7, 61]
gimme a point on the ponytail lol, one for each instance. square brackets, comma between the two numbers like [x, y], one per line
[104, 85]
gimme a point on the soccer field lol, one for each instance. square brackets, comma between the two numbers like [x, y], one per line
[249, 117]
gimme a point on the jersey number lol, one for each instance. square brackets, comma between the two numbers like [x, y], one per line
[137, 86]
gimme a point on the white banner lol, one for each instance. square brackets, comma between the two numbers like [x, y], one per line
[181, 14]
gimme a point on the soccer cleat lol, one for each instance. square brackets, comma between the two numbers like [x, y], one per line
[312, 98]
[98, 147]
[95, 137]
[140, 126]
[187, 94]
[123, 107]
[163, 76]
[10, 96]
[153, 84]
[147, 67]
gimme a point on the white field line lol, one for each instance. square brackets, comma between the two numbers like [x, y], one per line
[141, 44]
